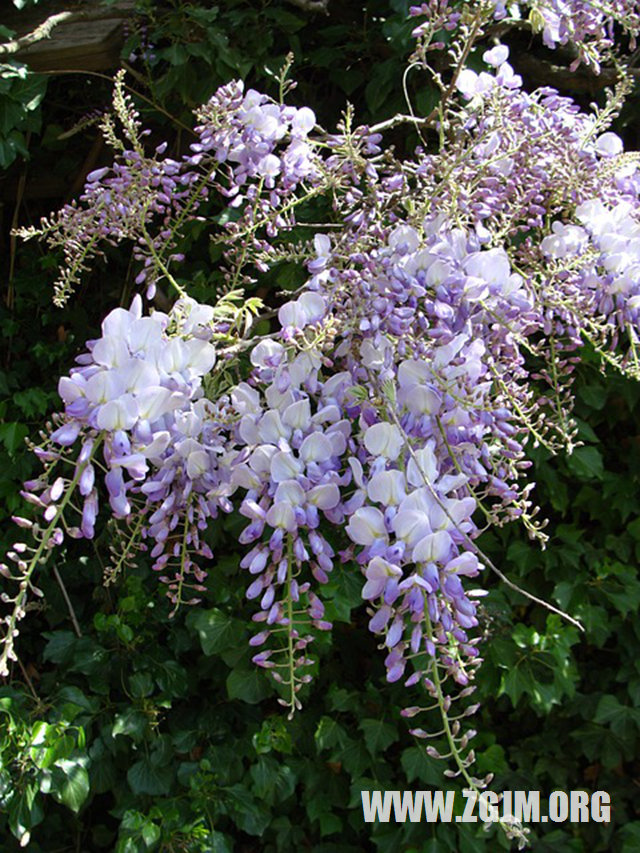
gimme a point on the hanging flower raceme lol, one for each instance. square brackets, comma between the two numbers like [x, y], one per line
[137, 401]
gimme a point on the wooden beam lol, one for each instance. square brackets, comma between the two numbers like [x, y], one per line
[78, 37]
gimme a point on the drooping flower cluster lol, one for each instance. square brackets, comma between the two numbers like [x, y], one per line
[390, 408]
[414, 373]
[291, 468]
[138, 397]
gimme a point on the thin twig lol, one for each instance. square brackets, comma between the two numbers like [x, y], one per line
[28, 680]
[22, 180]
[65, 595]
[397, 119]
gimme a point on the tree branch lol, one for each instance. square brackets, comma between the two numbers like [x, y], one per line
[44, 30]
[312, 5]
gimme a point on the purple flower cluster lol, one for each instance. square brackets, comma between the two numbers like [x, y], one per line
[257, 137]
[413, 368]
[291, 470]
[387, 415]
[138, 393]
[602, 254]
[588, 25]
[116, 203]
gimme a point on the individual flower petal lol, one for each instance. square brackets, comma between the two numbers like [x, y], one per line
[384, 439]
[433, 548]
[387, 487]
[366, 525]
[325, 496]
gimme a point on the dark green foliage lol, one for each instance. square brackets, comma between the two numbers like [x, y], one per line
[20, 96]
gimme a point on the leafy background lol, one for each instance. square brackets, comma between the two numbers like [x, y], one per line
[150, 734]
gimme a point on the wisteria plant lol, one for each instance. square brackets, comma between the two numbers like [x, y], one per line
[383, 420]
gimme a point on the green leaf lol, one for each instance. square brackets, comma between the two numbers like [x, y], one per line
[343, 593]
[630, 832]
[217, 630]
[594, 396]
[146, 777]
[151, 833]
[12, 435]
[102, 769]
[378, 735]
[60, 645]
[73, 701]
[219, 843]
[272, 781]
[176, 54]
[417, 765]
[140, 685]
[11, 114]
[249, 815]
[30, 91]
[329, 733]
[10, 147]
[621, 719]
[171, 678]
[249, 685]
[132, 723]
[74, 789]
[355, 757]
[24, 813]
[514, 683]
[585, 431]
[273, 735]
[285, 20]
[329, 824]
[586, 463]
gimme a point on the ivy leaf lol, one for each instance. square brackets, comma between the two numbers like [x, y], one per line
[217, 631]
[342, 594]
[73, 789]
[329, 733]
[24, 813]
[272, 781]
[631, 835]
[621, 719]
[147, 777]
[247, 813]
[417, 765]
[378, 735]
[60, 646]
[514, 683]
[248, 685]
[595, 396]
[75, 700]
[132, 723]
[102, 769]
[586, 463]
[140, 685]
[12, 435]
[219, 843]
[355, 757]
